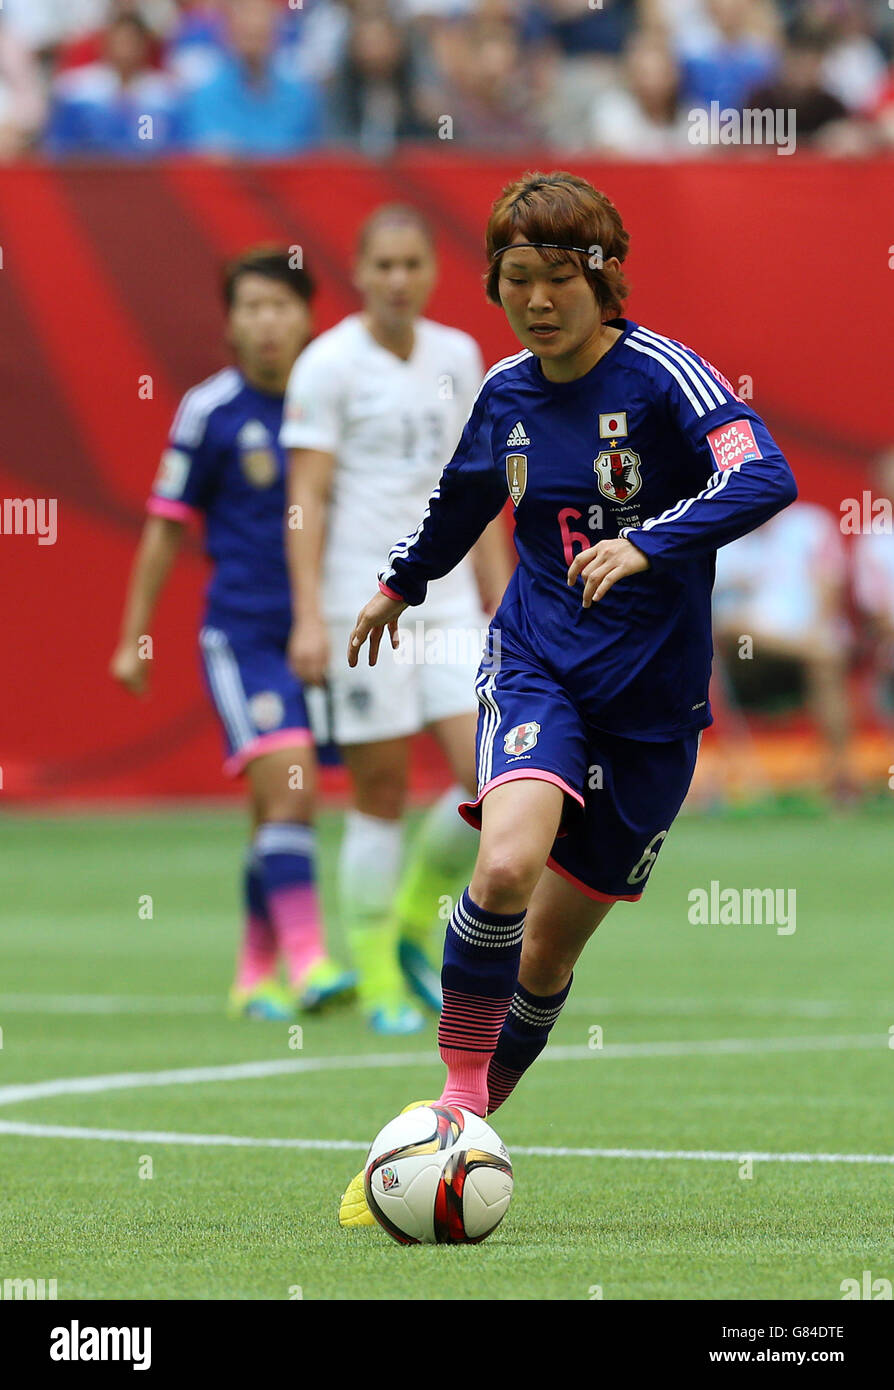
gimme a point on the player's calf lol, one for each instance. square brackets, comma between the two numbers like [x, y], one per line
[522, 1038]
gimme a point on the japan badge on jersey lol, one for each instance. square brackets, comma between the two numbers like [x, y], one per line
[732, 444]
[256, 455]
[618, 474]
[521, 738]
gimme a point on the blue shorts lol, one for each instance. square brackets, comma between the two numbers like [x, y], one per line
[621, 794]
[258, 699]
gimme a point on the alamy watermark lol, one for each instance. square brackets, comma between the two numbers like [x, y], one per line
[84, 1343]
[866, 1287]
[718, 125]
[725, 907]
[428, 645]
[27, 1289]
[867, 515]
[30, 516]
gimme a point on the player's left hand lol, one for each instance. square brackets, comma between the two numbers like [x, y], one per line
[379, 613]
[603, 565]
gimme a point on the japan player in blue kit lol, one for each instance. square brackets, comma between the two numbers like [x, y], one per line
[629, 460]
[224, 462]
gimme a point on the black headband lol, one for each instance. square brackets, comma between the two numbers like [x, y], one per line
[548, 245]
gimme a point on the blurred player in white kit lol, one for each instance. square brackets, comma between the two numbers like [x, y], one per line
[874, 581]
[374, 410]
[784, 585]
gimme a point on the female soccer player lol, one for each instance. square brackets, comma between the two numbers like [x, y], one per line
[629, 460]
[374, 409]
[224, 460]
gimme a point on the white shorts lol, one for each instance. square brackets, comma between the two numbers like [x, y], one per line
[432, 677]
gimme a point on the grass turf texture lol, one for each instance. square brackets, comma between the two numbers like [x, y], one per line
[242, 1223]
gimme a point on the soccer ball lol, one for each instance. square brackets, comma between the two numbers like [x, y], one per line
[438, 1175]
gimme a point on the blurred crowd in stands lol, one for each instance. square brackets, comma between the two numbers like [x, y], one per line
[269, 78]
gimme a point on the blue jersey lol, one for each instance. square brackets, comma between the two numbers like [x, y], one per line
[651, 444]
[225, 461]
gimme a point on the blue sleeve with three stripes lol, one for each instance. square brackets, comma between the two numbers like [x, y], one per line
[736, 489]
[470, 493]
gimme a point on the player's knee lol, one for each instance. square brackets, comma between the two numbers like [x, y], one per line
[504, 880]
[276, 799]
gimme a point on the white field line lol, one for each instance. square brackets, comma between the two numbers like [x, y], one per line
[714, 1007]
[604, 1007]
[111, 1004]
[150, 1136]
[185, 1076]
[240, 1071]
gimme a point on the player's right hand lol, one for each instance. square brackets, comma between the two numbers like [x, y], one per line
[379, 613]
[130, 669]
[308, 651]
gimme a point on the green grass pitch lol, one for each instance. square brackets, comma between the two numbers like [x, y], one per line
[729, 1040]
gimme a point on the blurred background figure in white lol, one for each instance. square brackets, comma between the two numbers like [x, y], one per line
[782, 632]
[874, 588]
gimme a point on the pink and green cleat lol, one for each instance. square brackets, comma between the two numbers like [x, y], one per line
[422, 973]
[324, 983]
[267, 1000]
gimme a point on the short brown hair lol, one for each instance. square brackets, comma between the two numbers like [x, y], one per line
[393, 215]
[273, 263]
[564, 209]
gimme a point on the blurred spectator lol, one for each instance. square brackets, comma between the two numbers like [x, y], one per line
[643, 118]
[724, 62]
[318, 35]
[433, 9]
[677, 19]
[577, 58]
[874, 584]
[118, 106]
[196, 43]
[253, 103]
[313, 37]
[884, 113]
[371, 97]
[88, 48]
[854, 66]
[485, 93]
[822, 120]
[22, 103]
[784, 588]
[799, 87]
[42, 25]
[579, 28]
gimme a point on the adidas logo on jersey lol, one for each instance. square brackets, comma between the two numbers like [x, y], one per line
[517, 436]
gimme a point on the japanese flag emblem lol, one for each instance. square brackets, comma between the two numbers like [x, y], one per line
[521, 738]
[613, 426]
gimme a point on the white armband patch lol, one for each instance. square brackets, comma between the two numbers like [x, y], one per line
[172, 473]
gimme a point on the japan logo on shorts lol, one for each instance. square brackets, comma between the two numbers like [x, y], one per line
[521, 738]
[618, 475]
[267, 710]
